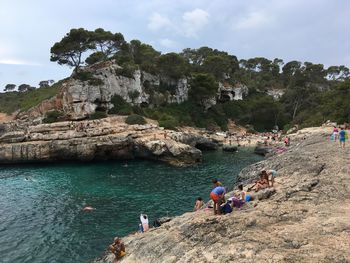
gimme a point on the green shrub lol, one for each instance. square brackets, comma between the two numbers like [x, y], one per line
[12, 101]
[98, 115]
[168, 122]
[125, 110]
[52, 116]
[127, 70]
[120, 106]
[138, 110]
[135, 119]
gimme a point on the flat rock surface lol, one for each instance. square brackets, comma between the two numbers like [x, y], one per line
[105, 139]
[307, 219]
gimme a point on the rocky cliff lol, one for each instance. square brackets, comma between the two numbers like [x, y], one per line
[305, 220]
[78, 98]
[109, 138]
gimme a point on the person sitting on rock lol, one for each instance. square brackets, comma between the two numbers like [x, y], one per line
[117, 248]
[199, 204]
[242, 195]
[262, 183]
[218, 197]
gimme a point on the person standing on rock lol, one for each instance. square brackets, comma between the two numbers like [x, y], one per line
[342, 137]
[335, 133]
[144, 222]
[287, 141]
[218, 197]
[271, 174]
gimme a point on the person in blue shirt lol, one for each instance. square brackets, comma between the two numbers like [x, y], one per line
[342, 137]
[218, 197]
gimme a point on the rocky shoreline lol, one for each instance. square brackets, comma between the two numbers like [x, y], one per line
[105, 139]
[305, 220]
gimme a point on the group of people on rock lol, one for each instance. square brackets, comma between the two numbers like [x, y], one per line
[239, 197]
[341, 135]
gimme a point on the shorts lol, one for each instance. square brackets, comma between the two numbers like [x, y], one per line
[342, 140]
[214, 197]
[274, 173]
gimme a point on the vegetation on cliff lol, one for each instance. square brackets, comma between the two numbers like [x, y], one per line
[22, 101]
[309, 93]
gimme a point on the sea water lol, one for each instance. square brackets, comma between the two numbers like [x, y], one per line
[41, 217]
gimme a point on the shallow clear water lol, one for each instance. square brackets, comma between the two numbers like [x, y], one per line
[41, 217]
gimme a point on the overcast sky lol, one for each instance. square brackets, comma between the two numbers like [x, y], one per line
[304, 30]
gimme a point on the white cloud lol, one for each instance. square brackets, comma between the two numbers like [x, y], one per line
[188, 25]
[168, 43]
[158, 22]
[194, 21]
[253, 20]
[12, 61]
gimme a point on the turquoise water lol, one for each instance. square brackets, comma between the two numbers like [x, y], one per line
[40, 205]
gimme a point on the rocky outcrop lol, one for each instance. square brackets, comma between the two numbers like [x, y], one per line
[104, 139]
[305, 218]
[227, 92]
[197, 141]
[229, 148]
[263, 150]
[78, 98]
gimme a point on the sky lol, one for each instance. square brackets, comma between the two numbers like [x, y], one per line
[314, 30]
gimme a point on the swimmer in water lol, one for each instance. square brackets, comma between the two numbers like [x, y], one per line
[88, 209]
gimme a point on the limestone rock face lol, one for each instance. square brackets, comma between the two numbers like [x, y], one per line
[104, 139]
[79, 99]
[228, 92]
[304, 218]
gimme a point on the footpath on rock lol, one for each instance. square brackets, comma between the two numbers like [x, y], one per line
[305, 220]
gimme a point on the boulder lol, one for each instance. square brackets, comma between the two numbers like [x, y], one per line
[200, 142]
[263, 150]
[229, 148]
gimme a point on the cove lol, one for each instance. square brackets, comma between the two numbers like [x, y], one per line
[40, 205]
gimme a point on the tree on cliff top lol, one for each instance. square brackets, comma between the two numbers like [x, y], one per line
[106, 45]
[71, 47]
[10, 87]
